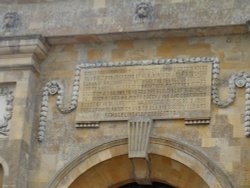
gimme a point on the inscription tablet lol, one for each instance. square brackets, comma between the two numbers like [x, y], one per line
[176, 91]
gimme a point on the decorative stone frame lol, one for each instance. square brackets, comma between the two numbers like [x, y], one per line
[240, 79]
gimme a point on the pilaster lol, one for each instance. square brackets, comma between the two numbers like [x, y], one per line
[20, 59]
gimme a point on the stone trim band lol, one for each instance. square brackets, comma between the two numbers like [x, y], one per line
[54, 87]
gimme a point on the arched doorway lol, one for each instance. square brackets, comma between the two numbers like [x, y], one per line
[117, 172]
[154, 185]
[1, 176]
[172, 163]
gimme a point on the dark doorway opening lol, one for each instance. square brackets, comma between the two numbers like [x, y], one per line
[154, 184]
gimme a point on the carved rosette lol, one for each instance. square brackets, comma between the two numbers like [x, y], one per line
[7, 93]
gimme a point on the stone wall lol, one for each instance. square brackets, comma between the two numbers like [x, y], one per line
[222, 141]
[95, 32]
[76, 17]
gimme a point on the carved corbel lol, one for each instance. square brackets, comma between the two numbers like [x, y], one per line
[138, 144]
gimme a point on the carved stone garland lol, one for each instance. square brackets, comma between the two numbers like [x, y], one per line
[8, 94]
[240, 79]
[52, 88]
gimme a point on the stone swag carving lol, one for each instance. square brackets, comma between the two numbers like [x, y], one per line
[7, 93]
[240, 80]
[11, 20]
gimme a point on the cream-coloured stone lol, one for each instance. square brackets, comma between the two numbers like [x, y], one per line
[99, 4]
[230, 155]
[235, 120]
[222, 141]
[104, 155]
[208, 142]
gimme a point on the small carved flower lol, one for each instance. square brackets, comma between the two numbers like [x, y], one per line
[240, 81]
[53, 88]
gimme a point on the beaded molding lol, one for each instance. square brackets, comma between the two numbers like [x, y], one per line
[9, 98]
[87, 125]
[197, 121]
[54, 87]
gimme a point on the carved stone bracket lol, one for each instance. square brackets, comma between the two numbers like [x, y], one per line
[7, 93]
[138, 143]
[138, 137]
[240, 79]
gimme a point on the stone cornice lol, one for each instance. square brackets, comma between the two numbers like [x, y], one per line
[241, 29]
[33, 48]
[33, 44]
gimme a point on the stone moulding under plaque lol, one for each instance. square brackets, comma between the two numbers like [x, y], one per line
[87, 125]
[6, 101]
[197, 121]
[236, 80]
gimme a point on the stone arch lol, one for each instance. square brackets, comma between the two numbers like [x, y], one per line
[118, 171]
[189, 157]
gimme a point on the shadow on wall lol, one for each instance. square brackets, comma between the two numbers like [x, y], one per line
[154, 184]
[1, 176]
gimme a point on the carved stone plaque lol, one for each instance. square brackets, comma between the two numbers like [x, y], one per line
[175, 91]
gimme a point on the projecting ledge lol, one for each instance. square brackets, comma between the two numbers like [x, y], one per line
[22, 52]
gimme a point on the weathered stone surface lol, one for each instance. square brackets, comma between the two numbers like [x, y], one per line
[61, 18]
[223, 137]
[90, 32]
